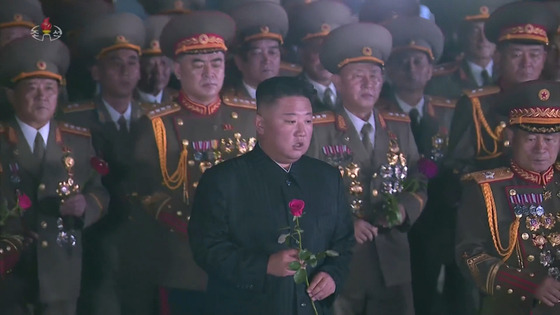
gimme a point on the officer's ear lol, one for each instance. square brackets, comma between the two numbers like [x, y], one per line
[259, 124]
[509, 134]
[95, 72]
[10, 94]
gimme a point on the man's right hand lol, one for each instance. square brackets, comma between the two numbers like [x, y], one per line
[549, 292]
[364, 231]
[278, 263]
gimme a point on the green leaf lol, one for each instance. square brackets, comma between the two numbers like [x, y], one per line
[282, 238]
[313, 261]
[332, 253]
[321, 255]
[304, 254]
[294, 265]
[300, 276]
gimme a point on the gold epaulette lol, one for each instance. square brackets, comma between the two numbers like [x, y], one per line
[163, 110]
[290, 67]
[230, 99]
[323, 118]
[446, 68]
[489, 176]
[72, 129]
[442, 102]
[483, 91]
[78, 107]
[146, 106]
[393, 116]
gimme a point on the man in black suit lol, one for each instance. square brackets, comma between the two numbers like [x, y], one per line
[241, 207]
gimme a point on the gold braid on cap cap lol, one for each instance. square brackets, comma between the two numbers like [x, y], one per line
[360, 59]
[524, 32]
[264, 34]
[535, 115]
[200, 42]
[413, 46]
[39, 73]
[325, 30]
[120, 43]
[484, 13]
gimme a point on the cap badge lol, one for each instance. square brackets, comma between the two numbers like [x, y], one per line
[484, 9]
[18, 17]
[203, 39]
[544, 95]
[154, 44]
[265, 29]
[325, 28]
[121, 39]
[178, 5]
[412, 43]
[41, 65]
[366, 51]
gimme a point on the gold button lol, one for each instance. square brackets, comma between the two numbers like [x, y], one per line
[346, 139]
[179, 213]
[498, 287]
[185, 142]
[531, 275]
[374, 175]
[1, 251]
[234, 115]
[374, 192]
[503, 124]
[43, 224]
[530, 258]
[509, 291]
[195, 184]
[525, 236]
[190, 163]
[512, 192]
[8, 248]
[188, 218]
[179, 122]
[44, 244]
[42, 187]
[523, 298]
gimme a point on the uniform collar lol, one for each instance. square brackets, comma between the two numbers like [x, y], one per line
[29, 133]
[541, 179]
[150, 98]
[200, 109]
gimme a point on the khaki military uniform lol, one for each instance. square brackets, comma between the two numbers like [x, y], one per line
[451, 79]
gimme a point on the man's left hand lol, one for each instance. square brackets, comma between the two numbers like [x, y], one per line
[321, 286]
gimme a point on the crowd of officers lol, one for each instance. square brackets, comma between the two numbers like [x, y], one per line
[165, 98]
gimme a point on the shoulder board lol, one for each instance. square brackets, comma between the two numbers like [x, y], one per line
[489, 176]
[446, 68]
[392, 116]
[290, 67]
[76, 130]
[78, 107]
[163, 110]
[230, 99]
[146, 107]
[487, 90]
[323, 118]
[442, 102]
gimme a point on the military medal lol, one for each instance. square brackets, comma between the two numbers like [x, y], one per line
[548, 221]
[14, 173]
[546, 258]
[547, 194]
[532, 223]
[539, 240]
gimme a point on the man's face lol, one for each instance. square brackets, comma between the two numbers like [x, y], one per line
[8, 34]
[117, 72]
[201, 75]
[477, 46]
[34, 100]
[309, 53]
[284, 129]
[409, 70]
[553, 59]
[534, 151]
[262, 61]
[521, 63]
[360, 85]
[155, 72]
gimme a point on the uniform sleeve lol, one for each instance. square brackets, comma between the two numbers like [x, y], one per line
[97, 197]
[461, 151]
[478, 260]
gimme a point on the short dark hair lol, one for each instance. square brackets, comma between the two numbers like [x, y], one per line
[270, 90]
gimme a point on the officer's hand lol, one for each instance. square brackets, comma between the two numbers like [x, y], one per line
[75, 206]
[364, 231]
[549, 292]
[321, 286]
[278, 263]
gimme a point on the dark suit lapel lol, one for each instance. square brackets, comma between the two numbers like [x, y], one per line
[354, 142]
[381, 145]
[469, 75]
[22, 153]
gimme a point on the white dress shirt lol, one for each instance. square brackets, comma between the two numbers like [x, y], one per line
[116, 115]
[30, 133]
[476, 71]
[251, 90]
[359, 124]
[150, 98]
[321, 89]
[407, 108]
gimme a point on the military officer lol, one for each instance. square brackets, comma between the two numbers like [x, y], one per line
[372, 149]
[507, 225]
[113, 43]
[552, 67]
[309, 24]
[382, 11]
[181, 139]
[48, 161]
[476, 67]
[155, 68]
[261, 28]
[171, 7]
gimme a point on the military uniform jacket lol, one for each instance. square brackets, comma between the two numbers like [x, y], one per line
[317, 104]
[336, 141]
[449, 80]
[167, 96]
[507, 236]
[54, 269]
[186, 138]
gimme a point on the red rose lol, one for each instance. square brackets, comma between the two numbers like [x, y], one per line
[99, 165]
[24, 202]
[296, 207]
[428, 167]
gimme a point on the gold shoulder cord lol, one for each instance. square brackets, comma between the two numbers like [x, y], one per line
[179, 177]
[493, 223]
[478, 118]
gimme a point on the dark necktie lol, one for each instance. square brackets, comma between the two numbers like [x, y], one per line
[39, 146]
[328, 98]
[366, 131]
[123, 128]
[486, 80]
[415, 122]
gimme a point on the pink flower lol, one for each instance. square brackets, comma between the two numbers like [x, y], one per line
[99, 165]
[428, 167]
[296, 207]
[24, 202]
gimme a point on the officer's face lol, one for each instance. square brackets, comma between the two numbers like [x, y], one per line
[155, 72]
[284, 128]
[477, 46]
[552, 68]
[533, 151]
[8, 34]
[34, 100]
[409, 70]
[261, 62]
[117, 72]
[360, 85]
[201, 75]
[309, 53]
[521, 63]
